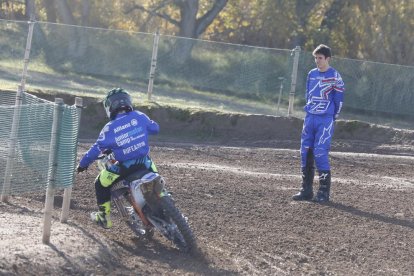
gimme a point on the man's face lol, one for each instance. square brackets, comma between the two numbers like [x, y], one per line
[322, 62]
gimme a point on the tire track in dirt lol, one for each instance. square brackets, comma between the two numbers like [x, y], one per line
[238, 201]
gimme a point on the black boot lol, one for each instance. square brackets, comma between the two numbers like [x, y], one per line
[324, 187]
[306, 192]
[308, 173]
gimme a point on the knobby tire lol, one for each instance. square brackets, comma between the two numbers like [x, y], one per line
[175, 215]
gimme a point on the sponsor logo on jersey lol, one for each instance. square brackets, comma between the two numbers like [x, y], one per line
[129, 136]
[118, 129]
[102, 134]
[133, 148]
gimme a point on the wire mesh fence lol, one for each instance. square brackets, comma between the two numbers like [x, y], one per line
[371, 88]
[195, 73]
[12, 46]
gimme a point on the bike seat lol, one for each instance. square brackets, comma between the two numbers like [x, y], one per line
[136, 175]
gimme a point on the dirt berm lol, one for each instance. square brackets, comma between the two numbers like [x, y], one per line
[212, 127]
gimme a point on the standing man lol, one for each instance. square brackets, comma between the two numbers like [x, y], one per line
[324, 98]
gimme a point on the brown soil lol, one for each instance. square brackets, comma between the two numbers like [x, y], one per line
[235, 186]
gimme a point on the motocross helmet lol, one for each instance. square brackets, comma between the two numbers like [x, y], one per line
[117, 100]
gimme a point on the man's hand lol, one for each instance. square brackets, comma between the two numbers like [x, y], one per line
[80, 169]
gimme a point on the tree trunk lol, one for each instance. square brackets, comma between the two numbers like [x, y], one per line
[30, 9]
[192, 27]
[302, 9]
[65, 14]
[183, 46]
[188, 13]
[50, 10]
[83, 33]
[77, 41]
[332, 14]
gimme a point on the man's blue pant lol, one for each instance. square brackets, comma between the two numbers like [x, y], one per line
[317, 134]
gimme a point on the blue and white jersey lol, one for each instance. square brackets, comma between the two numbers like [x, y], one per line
[126, 136]
[324, 92]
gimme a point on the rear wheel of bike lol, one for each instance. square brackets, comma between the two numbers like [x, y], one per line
[181, 235]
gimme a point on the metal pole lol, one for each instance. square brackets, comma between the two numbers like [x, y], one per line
[153, 64]
[50, 192]
[68, 191]
[294, 80]
[27, 52]
[280, 93]
[12, 145]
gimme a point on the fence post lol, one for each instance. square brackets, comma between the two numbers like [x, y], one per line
[12, 145]
[68, 191]
[27, 52]
[153, 64]
[47, 219]
[296, 52]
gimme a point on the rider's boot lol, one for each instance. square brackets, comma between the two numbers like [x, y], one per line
[324, 187]
[306, 192]
[103, 216]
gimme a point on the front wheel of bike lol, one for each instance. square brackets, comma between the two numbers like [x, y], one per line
[180, 232]
[129, 215]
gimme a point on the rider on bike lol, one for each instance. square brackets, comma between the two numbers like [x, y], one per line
[126, 136]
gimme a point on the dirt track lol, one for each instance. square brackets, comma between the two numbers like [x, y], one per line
[238, 201]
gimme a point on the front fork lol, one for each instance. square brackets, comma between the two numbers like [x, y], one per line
[152, 193]
[138, 210]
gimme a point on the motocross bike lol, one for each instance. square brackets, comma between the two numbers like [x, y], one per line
[144, 204]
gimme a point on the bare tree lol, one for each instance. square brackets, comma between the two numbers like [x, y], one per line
[189, 24]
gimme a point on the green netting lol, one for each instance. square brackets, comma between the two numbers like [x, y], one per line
[67, 146]
[7, 97]
[30, 152]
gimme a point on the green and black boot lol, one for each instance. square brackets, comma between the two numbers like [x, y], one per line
[103, 216]
[324, 187]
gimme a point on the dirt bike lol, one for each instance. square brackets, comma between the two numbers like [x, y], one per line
[144, 204]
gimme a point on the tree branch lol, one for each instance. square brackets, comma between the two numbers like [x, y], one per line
[153, 12]
[205, 21]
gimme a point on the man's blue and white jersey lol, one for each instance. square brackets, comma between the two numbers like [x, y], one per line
[324, 92]
[126, 136]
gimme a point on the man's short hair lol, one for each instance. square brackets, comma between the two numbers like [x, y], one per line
[322, 49]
